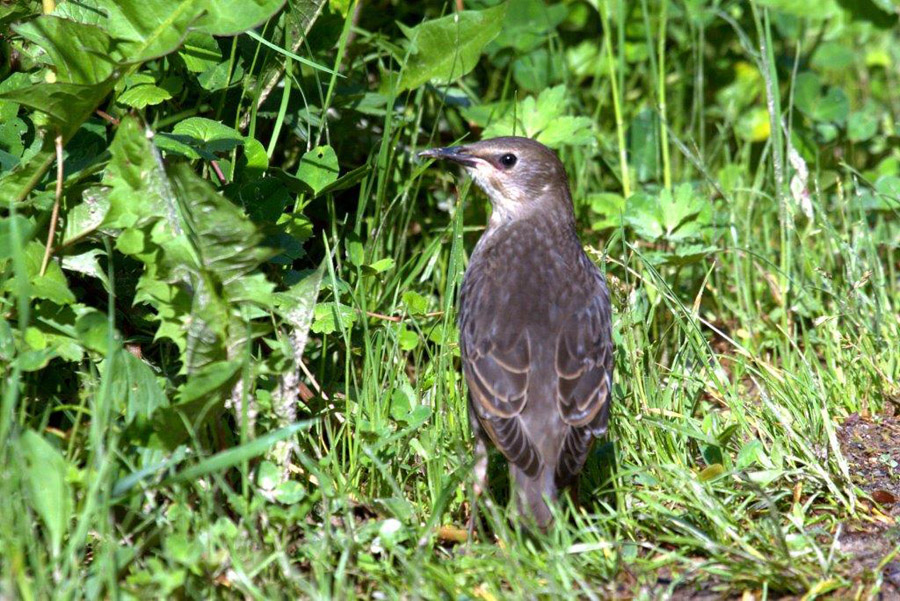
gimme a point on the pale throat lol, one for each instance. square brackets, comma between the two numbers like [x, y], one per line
[505, 202]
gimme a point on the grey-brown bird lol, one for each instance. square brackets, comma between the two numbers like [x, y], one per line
[534, 325]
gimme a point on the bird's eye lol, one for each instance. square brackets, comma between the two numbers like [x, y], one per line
[508, 160]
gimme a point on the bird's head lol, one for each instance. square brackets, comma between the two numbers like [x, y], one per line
[519, 175]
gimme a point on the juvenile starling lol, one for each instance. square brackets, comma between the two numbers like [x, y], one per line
[534, 324]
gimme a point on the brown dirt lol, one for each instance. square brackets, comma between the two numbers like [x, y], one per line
[871, 446]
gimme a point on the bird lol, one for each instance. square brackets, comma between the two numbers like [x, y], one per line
[535, 326]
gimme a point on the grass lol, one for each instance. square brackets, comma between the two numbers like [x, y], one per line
[723, 470]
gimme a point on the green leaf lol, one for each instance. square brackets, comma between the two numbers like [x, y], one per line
[80, 52]
[711, 472]
[25, 231]
[609, 208]
[828, 104]
[143, 95]
[445, 49]
[542, 118]
[45, 476]
[139, 192]
[318, 168]
[529, 23]
[679, 211]
[227, 243]
[863, 124]
[381, 265]
[255, 160]
[416, 304]
[135, 386]
[52, 285]
[206, 136]
[220, 76]
[147, 29]
[290, 492]
[210, 379]
[642, 214]
[885, 196]
[575, 131]
[802, 8]
[12, 147]
[200, 52]
[67, 104]
[226, 17]
[754, 125]
[407, 339]
[92, 329]
[86, 216]
[329, 315]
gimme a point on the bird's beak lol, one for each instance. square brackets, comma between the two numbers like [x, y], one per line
[457, 154]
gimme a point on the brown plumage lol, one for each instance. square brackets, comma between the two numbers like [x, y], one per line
[534, 322]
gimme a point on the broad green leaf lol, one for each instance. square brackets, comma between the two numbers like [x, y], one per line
[407, 339]
[143, 95]
[206, 136]
[575, 131]
[147, 29]
[227, 17]
[318, 168]
[67, 104]
[445, 49]
[227, 243]
[139, 192]
[208, 380]
[80, 52]
[527, 25]
[253, 289]
[642, 214]
[297, 305]
[828, 104]
[863, 124]
[381, 265]
[802, 8]
[49, 491]
[610, 209]
[12, 146]
[200, 52]
[678, 209]
[52, 285]
[92, 329]
[833, 55]
[711, 472]
[328, 316]
[415, 303]
[220, 76]
[542, 118]
[254, 162]
[25, 228]
[86, 263]
[885, 196]
[290, 492]
[86, 216]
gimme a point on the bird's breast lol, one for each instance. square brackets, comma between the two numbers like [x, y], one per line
[526, 280]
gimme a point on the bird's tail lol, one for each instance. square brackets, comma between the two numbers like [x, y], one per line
[533, 493]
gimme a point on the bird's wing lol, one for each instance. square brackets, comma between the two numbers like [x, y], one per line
[584, 364]
[497, 372]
